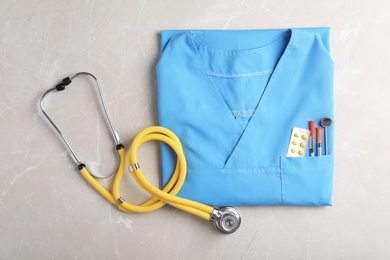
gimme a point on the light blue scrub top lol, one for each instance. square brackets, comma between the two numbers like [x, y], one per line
[233, 98]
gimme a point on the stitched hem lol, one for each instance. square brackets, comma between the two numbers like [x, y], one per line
[244, 75]
[243, 112]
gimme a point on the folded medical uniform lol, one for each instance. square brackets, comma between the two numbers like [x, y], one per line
[233, 98]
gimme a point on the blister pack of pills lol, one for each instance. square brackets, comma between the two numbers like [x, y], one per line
[298, 142]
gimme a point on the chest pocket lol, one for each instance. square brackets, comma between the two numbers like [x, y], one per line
[307, 180]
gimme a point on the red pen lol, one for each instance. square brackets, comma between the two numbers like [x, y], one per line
[311, 145]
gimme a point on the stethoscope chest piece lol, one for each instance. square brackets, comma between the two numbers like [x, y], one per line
[227, 220]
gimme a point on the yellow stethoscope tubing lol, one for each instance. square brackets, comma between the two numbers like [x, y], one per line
[160, 197]
[178, 177]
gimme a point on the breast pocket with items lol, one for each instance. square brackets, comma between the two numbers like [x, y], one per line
[307, 181]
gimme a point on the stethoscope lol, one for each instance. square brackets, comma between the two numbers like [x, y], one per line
[226, 219]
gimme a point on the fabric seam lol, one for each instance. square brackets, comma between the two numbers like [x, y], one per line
[243, 75]
[281, 183]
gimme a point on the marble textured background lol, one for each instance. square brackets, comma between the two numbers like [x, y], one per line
[47, 211]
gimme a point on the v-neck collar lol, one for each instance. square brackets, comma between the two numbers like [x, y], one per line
[250, 131]
[194, 40]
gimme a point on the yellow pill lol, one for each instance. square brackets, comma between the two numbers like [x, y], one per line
[304, 137]
[300, 152]
[302, 144]
[294, 142]
[293, 150]
[296, 135]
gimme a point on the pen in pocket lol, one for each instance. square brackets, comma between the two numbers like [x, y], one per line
[311, 145]
[319, 142]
